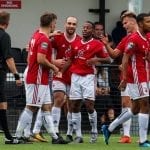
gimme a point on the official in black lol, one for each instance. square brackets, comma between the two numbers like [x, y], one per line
[6, 62]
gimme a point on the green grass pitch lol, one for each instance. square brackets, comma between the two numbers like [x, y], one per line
[99, 145]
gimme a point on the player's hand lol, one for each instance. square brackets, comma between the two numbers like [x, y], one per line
[55, 69]
[18, 82]
[56, 32]
[147, 57]
[120, 67]
[58, 75]
[27, 47]
[105, 39]
[122, 85]
[59, 62]
[92, 61]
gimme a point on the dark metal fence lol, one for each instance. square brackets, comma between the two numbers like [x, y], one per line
[107, 95]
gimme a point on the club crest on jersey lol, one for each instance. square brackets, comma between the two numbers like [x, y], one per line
[130, 45]
[44, 45]
[68, 49]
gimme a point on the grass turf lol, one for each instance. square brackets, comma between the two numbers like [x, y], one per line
[99, 145]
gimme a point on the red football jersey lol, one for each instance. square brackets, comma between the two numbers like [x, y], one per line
[138, 46]
[122, 44]
[82, 51]
[63, 47]
[37, 74]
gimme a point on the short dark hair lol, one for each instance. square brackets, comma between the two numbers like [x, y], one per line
[141, 17]
[128, 14]
[4, 17]
[46, 19]
[98, 23]
[90, 22]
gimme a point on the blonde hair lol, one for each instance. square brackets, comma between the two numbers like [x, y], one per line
[128, 14]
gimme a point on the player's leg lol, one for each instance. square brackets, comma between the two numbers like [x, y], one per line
[3, 107]
[59, 90]
[47, 117]
[37, 135]
[88, 88]
[76, 120]
[126, 104]
[124, 116]
[92, 119]
[75, 99]
[69, 137]
[27, 114]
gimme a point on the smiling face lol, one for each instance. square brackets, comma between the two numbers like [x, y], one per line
[71, 25]
[87, 30]
[129, 24]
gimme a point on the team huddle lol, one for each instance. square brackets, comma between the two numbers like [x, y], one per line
[71, 59]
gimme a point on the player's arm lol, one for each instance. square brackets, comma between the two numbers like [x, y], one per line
[101, 56]
[147, 57]
[125, 61]
[12, 67]
[5, 47]
[59, 62]
[67, 65]
[42, 60]
[104, 60]
[114, 53]
[98, 60]
[56, 32]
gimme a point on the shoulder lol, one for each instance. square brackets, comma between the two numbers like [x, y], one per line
[4, 37]
[132, 37]
[98, 42]
[4, 34]
[43, 38]
[59, 36]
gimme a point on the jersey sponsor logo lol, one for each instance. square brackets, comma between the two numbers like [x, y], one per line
[80, 54]
[44, 45]
[130, 45]
[68, 49]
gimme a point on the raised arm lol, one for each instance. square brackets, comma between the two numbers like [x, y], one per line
[113, 53]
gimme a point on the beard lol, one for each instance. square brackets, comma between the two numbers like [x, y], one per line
[70, 32]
